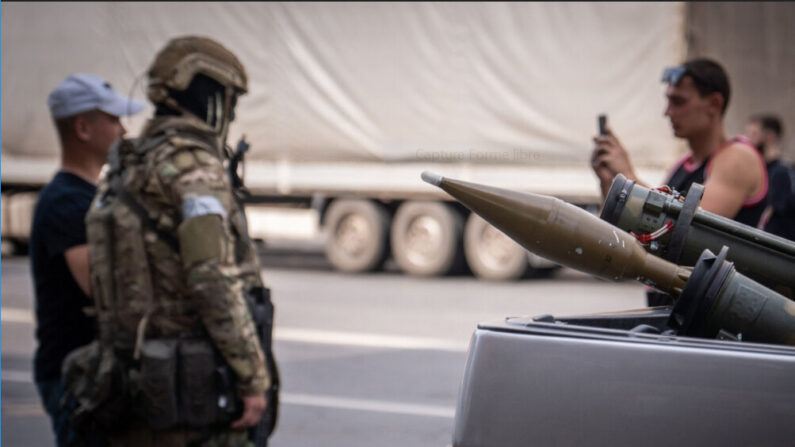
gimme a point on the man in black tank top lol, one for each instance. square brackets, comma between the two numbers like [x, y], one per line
[731, 170]
[684, 175]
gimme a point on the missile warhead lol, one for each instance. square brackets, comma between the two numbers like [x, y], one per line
[565, 234]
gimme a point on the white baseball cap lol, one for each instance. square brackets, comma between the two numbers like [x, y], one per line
[82, 92]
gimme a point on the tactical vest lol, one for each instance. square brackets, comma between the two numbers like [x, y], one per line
[136, 271]
[122, 250]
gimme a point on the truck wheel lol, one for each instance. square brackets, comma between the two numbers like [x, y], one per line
[540, 268]
[491, 254]
[426, 238]
[357, 235]
[8, 248]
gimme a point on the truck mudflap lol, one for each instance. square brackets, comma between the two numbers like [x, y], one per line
[595, 381]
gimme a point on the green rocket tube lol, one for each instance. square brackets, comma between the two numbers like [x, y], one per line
[680, 231]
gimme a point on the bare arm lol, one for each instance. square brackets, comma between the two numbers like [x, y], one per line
[78, 263]
[736, 175]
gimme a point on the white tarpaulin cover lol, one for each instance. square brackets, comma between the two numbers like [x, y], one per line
[496, 82]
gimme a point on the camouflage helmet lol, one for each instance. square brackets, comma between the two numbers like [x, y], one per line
[184, 57]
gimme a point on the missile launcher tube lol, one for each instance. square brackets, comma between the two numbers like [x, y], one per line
[718, 298]
[759, 255]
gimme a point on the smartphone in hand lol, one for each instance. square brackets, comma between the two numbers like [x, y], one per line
[602, 124]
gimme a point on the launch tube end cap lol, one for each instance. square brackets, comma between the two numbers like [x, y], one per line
[688, 315]
[432, 178]
[616, 199]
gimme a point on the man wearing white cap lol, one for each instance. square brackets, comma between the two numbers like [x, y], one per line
[86, 112]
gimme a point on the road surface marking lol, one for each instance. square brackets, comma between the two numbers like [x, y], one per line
[378, 406]
[17, 376]
[315, 336]
[310, 400]
[22, 409]
[366, 340]
[13, 315]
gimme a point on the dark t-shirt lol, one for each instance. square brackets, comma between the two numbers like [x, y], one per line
[58, 224]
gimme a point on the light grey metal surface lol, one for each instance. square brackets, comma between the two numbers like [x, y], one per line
[551, 385]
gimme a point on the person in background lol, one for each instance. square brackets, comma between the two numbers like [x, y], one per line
[86, 112]
[765, 132]
[731, 169]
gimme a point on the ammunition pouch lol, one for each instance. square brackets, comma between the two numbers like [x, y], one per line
[208, 395]
[157, 382]
[97, 394]
[179, 383]
[185, 383]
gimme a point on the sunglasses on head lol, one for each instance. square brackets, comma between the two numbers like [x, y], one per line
[673, 75]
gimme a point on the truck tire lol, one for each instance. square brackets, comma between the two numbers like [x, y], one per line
[540, 268]
[427, 238]
[357, 235]
[8, 248]
[491, 254]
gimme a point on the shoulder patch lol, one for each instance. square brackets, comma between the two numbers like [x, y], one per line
[202, 205]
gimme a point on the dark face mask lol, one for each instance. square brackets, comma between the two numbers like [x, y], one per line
[204, 98]
[232, 107]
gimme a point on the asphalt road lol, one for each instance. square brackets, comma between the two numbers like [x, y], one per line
[373, 360]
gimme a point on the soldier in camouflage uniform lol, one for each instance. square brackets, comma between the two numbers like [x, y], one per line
[170, 255]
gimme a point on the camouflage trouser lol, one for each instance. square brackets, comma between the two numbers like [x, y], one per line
[180, 438]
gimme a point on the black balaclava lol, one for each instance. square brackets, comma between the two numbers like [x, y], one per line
[204, 98]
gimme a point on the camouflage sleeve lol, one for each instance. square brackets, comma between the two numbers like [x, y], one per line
[198, 184]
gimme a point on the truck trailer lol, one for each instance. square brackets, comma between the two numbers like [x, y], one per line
[349, 102]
